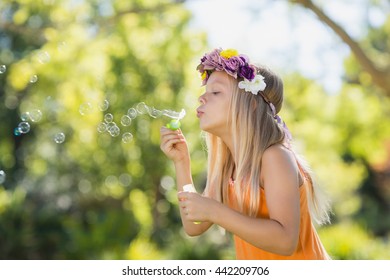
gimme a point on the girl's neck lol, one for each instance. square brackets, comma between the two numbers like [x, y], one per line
[228, 140]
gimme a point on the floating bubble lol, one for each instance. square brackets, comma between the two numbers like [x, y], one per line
[43, 57]
[85, 108]
[108, 118]
[132, 113]
[17, 131]
[25, 116]
[110, 125]
[33, 79]
[154, 113]
[35, 115]
[125, 179]
[24, 127]
[3, 68]
[102, 127]
[125, 120]
[142, 108]
[127, 137]
[114, 130]
[103, 106]
[59, 138]
[2, 176]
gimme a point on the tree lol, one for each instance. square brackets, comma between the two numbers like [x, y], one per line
[377, 70]
[90, 195]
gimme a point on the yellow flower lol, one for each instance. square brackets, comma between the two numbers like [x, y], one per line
[204, 75]
[228, 53]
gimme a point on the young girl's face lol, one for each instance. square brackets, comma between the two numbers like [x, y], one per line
[214, 109]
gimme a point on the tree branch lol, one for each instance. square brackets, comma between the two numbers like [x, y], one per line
[159, 8]
[30, 34]
[380, 77]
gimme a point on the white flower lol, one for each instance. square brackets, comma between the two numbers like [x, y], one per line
[254, 86]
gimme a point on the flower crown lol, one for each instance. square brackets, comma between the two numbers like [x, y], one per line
[236, 65]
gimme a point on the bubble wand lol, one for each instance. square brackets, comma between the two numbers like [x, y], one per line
[174, 124]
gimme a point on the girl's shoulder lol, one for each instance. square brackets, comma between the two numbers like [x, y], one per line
[277, 153]
[278, 160]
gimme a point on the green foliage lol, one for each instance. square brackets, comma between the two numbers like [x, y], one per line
[338, 134]
[349, 241]
[93, 195]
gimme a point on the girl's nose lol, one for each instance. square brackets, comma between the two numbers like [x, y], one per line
[202, 99]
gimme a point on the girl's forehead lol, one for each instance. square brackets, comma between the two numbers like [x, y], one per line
[218, 77]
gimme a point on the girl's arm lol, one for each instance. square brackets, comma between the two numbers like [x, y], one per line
[174, 145]
[278, 234]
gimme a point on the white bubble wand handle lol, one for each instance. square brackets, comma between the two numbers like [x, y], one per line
[190, 188]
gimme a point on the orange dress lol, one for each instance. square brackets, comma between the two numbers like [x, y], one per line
[309, 245]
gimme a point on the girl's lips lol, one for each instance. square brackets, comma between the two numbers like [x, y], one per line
[199, 113]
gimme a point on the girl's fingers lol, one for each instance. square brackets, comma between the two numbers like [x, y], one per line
[167, 145]
[165, 131]
[170, 136]
[182, 196]
[173, 137]
[170, 141]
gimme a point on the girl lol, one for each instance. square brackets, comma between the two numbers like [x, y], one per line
[257, 188]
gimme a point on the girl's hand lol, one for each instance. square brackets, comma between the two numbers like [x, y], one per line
[173, 144]
[195, 207]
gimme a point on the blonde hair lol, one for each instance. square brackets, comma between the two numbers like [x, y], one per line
[255, 130]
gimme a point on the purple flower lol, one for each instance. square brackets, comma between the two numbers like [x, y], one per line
[232, 65]
[236, 66]
[247, 71]
[213, 61]
[244, 58]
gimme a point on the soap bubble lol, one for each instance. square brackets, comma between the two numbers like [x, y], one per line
[125, 120]
[35, 115]
[125, 179]
[102, 127]
[132, 113]
[59, 138]
[2, 176]
[127, 137]
[85, 108]
[24, 127]
[109, 125]
[142, 108]
[17, 131]
[43, 57]
[103, 106]
[33, 79]
[154, 113]
[3, 68]
[25, 116]
[114, 130]
[108, 118]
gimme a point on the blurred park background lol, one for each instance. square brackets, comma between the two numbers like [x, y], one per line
[85, 194]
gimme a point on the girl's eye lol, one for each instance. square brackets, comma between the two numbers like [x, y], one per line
[215, 92]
